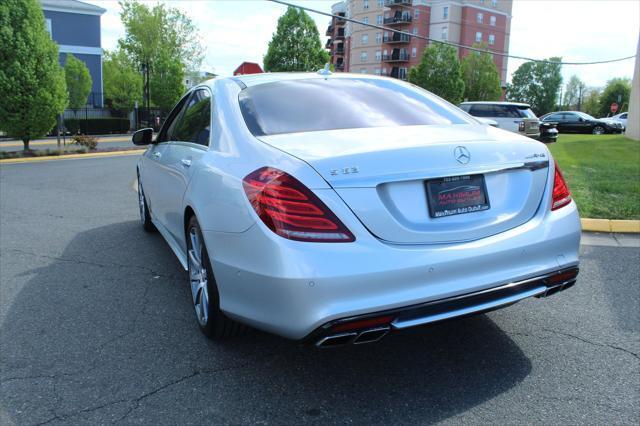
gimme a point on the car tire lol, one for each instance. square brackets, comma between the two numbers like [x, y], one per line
[204, 290]
[145, 217]
[598, 130]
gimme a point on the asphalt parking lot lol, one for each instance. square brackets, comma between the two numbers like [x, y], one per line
[96, 326]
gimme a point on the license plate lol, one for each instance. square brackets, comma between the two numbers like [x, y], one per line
[456, 195]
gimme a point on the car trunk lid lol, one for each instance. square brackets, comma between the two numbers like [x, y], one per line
[381, 174]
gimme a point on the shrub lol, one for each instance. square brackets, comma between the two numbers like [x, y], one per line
[97, 126]
[89, 142]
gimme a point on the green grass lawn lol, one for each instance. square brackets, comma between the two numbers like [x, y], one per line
[603, 173]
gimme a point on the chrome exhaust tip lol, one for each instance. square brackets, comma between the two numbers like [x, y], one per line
[335, 340]
[370, 336]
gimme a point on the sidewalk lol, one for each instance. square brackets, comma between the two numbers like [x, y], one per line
[52, 143]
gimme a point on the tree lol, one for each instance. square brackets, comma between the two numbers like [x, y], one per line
[617, 90]
[295, 46]
[591, 102]
[78, 81]
[536, 83]
[122, 82]
[573, 93]
[167, 82]
[166, 41]
[32, 86]
[481, 77]
[439, 72]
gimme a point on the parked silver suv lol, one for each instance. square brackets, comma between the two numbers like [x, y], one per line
[512, 116]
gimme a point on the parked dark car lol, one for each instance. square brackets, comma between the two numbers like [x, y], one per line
[579, 122]
[548, 132]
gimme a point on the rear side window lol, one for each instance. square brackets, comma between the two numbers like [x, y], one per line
[506, 111]
[482, 110]
[525, 112]
[195, 123]
[296, 106]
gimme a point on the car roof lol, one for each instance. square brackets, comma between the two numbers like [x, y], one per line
[520, 104]
[270, 77]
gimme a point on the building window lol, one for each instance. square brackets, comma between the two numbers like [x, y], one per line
[379, 19]
[363, 56]
[416, 13]
[378, 55]
[363, 70]
[494, 3]
[478, 37]
[492, 39]
[415, 31]
[365, 39]
[365, 4]
[480, 18]
[376, 71]
[445, 33]
[378, 38]
[47, 23]
[492, 21]
[384, 71]
[365, 19]
[380, 3]
[445, 12]
[414, 52]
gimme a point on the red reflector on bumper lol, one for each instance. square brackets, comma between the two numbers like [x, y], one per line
[365, 323]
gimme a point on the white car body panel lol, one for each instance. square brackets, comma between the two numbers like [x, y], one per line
[290, 287]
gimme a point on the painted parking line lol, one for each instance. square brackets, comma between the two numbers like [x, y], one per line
[71, 156]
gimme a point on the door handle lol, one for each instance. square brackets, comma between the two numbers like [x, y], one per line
[186, 162]
[157, 154]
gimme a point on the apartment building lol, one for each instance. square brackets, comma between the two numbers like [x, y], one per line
[466, 22]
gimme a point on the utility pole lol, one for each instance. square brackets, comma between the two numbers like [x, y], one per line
[580, 87]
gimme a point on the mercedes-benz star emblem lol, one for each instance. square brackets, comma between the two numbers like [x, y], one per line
[462, 155]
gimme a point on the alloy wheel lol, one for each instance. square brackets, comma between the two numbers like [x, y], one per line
[198, 277]
[598, 130]
[141, 202]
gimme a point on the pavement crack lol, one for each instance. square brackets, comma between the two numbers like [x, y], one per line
[591, 342]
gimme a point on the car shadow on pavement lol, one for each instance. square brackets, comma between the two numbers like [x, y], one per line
[106, 333]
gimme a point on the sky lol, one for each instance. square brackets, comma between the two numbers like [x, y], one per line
[233, 31]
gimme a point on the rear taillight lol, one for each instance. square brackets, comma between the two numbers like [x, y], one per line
[561, 194]
[521, 126]
[291, 210]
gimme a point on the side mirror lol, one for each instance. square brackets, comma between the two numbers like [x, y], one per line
[143, 136]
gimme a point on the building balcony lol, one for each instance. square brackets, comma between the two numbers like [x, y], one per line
[330, 30]
[329, 43]
[339, 51]
[397, 3]
[340, 22]
[340, 34]
[396, 39]
[339, 66]
[402, 19]
[399, 73]
[396, 57]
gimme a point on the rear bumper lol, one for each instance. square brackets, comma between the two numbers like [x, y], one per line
[358, 329]
[292, 288]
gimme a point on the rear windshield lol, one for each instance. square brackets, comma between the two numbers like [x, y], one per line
[296, 106]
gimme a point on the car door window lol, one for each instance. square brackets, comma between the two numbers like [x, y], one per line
[623, 116]
[506, 111]
[172, 120]
[195, 123]
[482, 110]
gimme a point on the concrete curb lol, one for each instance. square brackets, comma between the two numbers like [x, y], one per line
[611, 225]
[71, 156]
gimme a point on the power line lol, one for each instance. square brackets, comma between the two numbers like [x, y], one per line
[449, 43]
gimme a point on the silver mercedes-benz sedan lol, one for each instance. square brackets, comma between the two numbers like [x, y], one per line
[333, 209]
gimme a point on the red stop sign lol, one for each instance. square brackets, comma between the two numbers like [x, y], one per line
[614, 107]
